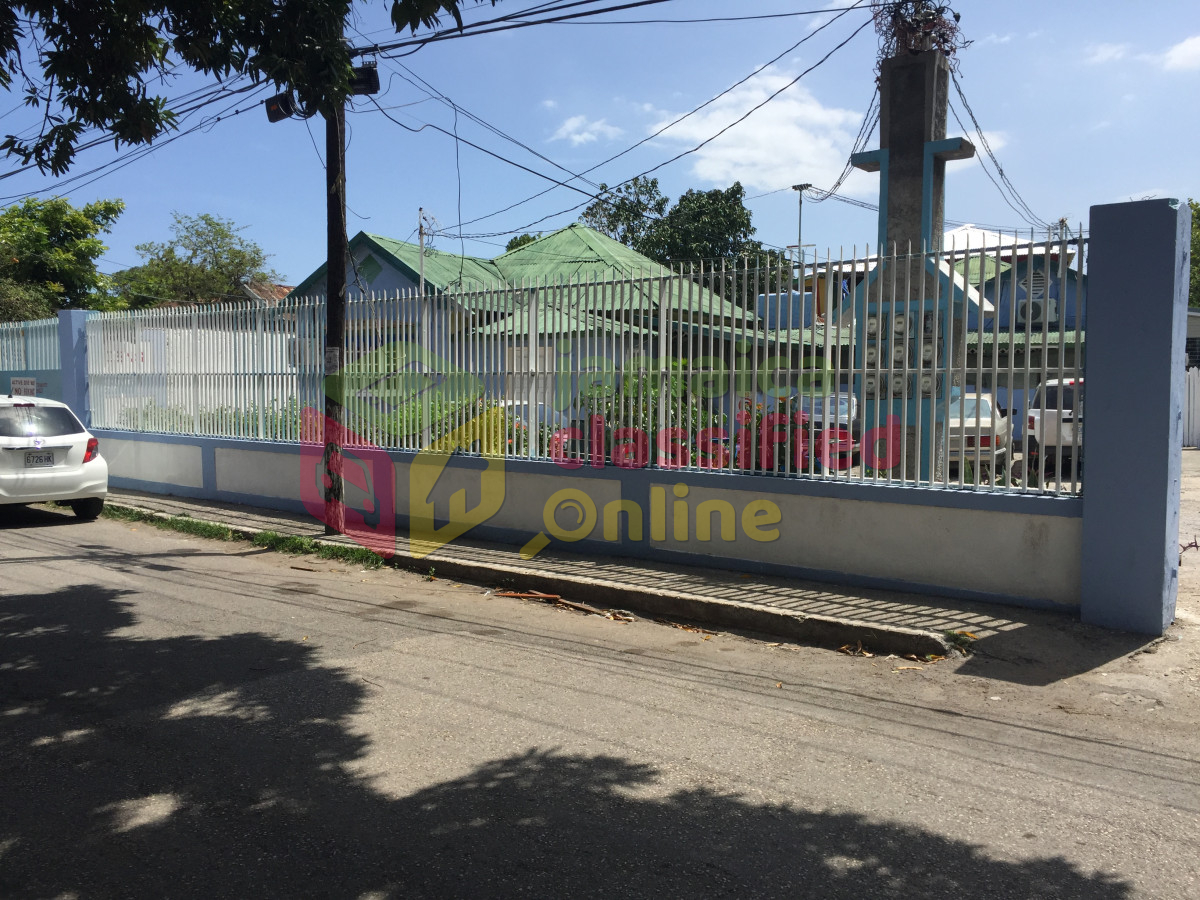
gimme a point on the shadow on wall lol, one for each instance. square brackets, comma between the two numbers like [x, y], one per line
[218, 767]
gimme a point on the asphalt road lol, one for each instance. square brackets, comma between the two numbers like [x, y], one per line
[184, 718]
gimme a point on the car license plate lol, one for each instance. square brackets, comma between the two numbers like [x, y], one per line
[39, 459]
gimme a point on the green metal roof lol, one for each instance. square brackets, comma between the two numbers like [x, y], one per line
[442, 270]
[574, 253]
[990, 269]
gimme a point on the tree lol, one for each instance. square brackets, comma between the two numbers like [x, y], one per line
[1194, 275]
[205, 259]
[24, 302]
[710, 226]
[704, 225]
[48, 253]
[628, 213]
[96, 65]
[520, 241]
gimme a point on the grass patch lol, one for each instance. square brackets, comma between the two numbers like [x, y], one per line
[359, 556]
[296, 544]
[285, 543]
[293, 544]
[182, 524]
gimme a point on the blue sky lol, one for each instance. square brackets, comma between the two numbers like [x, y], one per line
[1083, 103]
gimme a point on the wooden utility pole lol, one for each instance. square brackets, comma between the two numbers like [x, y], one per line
[335, 314]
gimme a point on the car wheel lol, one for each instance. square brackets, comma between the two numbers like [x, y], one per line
[88, 509]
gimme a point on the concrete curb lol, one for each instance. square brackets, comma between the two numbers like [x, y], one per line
[825, 631]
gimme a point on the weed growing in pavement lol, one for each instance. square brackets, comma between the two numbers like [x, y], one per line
[300, 545]
[183, 524]
[270, 540]
[359, 556]
[963, 641]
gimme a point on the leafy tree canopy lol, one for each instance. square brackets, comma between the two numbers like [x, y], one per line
[1194, 284]
[628, 213]
[24, 302]
[205, 259]
[48, 253]
[520, 241]
[101, 65]
[702, 225]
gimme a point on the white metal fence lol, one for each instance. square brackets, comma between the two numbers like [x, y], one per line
[1191, 409]
[26, 346]
[902, 369]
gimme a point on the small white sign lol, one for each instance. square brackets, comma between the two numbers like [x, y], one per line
[23, 387]
[333, 360]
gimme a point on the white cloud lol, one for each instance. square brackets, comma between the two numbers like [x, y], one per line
[793, 138]
[580, 130]
[996, 39]
[549, 104]
[1105, 53]
[997, 140]
[1184, 56]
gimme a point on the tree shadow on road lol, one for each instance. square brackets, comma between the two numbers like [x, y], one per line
[190, 766]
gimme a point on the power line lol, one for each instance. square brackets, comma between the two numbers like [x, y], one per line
[671, 124]
[1028, 213]
[1003, 196]
[870, 120]
[713, 19]
[501, 23]
[142, 150]
[698, 147]
[201, 99]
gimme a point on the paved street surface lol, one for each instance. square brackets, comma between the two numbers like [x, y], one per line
[187, 718]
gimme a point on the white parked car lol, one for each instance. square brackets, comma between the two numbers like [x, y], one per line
[47, 455]
[977, 431]
[1054, 426]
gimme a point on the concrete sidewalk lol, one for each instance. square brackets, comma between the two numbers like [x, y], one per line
[799, 610]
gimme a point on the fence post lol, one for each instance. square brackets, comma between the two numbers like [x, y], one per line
[73, 358]
[1136, 329]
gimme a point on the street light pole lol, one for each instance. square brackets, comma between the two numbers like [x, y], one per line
[800, 189]
[364, 80]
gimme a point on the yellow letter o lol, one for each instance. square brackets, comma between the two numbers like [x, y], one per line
[574, 499]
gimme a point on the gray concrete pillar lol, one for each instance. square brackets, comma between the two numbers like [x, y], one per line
[72, 352]
[1135, 364]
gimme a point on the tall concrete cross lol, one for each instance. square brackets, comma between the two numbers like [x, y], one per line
[913, 97]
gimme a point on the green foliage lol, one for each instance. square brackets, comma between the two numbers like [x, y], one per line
[628, 213]
[24, 302]
[300, 545]
[704, 225]
[1194, 288]
[94, 65]
[183, 524]
[48, 253]
[713, 226]
[206, 259]
[520, 241]
[644, 399]
[270, 540]
[280, 422]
